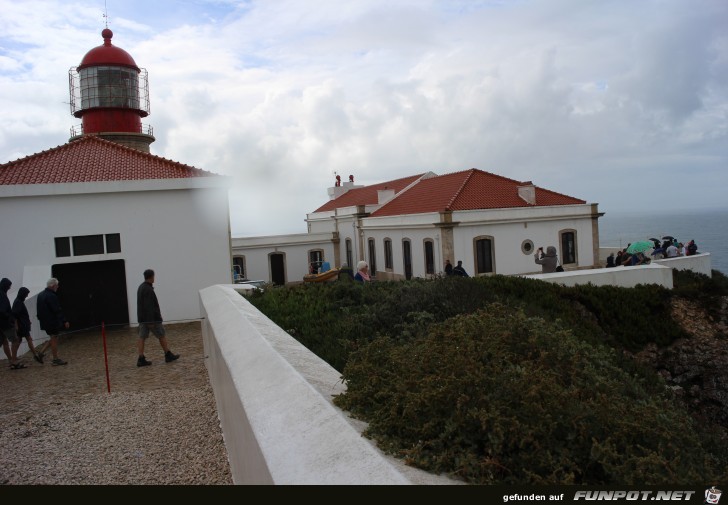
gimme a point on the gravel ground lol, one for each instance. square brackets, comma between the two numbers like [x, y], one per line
[158, 425]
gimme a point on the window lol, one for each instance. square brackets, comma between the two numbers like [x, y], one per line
[349, 260]
[429, 257]
[63, 247]
[372, 257]
[315, 261]
[84, 245]
[107, 86]
[238, 267]
[484, 255]
[527, 247]
[568, 246]
[407, 258]
[388, 254]
[113, 243]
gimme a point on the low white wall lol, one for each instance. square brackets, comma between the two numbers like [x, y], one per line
[699, 263]
[626, 277]
[274, 400]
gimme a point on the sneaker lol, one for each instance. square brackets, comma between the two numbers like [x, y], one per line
[59, 361]
[142, 361]
[39, 357]
[168, 356]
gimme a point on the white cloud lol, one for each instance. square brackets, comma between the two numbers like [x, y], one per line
[600, 100]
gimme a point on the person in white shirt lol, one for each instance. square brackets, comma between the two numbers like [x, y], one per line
[672, 251]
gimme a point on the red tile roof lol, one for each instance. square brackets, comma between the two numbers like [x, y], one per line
[93, 159]
[367, 195]
[467, 190]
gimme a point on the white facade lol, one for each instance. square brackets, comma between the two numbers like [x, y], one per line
[510, 231]
[177, 227]
[292, 252]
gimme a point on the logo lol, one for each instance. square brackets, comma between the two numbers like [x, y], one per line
[712, 496]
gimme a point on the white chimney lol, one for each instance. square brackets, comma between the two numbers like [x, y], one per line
[384, 195]
[527, 192]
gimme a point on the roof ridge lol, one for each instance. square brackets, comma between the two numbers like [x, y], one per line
[449, 204]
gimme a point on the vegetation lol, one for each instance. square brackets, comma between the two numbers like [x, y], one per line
[510, 380]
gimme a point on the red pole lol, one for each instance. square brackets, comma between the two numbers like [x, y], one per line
[106, 359]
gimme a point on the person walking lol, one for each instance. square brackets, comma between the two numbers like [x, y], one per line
[22, 319]
[8, 335]
[459, 270]
[149, 317]
[51, 318]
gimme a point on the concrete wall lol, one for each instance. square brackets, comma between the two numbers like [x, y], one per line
[274, 400]
[699, 263]
[626, 277]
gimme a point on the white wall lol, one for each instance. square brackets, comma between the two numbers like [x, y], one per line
[295, 247]
[274, 400]
[625, 277]
[508, 227]
[183, 234]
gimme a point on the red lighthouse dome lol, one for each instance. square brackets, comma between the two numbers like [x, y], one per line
[110, 94]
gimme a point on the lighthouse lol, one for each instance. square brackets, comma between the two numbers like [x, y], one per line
[110, 94]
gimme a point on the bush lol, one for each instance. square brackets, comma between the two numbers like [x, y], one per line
[500, 397]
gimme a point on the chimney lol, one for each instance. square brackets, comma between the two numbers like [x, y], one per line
[527, 192]
[384, 195]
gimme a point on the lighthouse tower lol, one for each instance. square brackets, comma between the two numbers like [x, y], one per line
[110, 94]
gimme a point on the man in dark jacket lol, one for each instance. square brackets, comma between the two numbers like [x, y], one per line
[51, 318]
[149, 317]
[8, 335]
[20, 311]
[459, 270]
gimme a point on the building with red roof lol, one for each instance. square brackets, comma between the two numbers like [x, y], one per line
[99, 210]
[409, 227]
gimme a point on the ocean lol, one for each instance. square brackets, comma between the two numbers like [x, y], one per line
[708, 227]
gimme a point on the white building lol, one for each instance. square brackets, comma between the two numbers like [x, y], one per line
[408, 227]
[99, 210]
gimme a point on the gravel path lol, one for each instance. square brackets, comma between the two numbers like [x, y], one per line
[158, 425]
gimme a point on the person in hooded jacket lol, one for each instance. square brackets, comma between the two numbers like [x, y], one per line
[20, 311]
[548, 260]
[8, 335]
[51, 318]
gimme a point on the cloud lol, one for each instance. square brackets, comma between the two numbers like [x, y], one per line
[600, 100]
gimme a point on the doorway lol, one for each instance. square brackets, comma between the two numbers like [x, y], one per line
[93, 292]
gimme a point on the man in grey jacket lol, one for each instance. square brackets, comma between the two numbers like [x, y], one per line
[548, 261]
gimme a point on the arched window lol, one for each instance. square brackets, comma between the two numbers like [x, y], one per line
[315, 260]
[484, 255]
[567, 239]
[388, 254]
[349, 258]
[429, 247]
[372, 257]
[407, 258]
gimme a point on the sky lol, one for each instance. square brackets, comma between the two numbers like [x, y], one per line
[623, 103]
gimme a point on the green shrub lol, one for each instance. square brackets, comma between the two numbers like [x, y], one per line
[499, 397]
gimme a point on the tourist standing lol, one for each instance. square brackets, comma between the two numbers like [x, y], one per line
[22, 319]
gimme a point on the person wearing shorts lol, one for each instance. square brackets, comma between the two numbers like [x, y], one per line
[149, 317]
[51, 318]
[8, 335]
[22, 318]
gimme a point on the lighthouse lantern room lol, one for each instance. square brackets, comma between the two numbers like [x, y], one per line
[110, 94]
